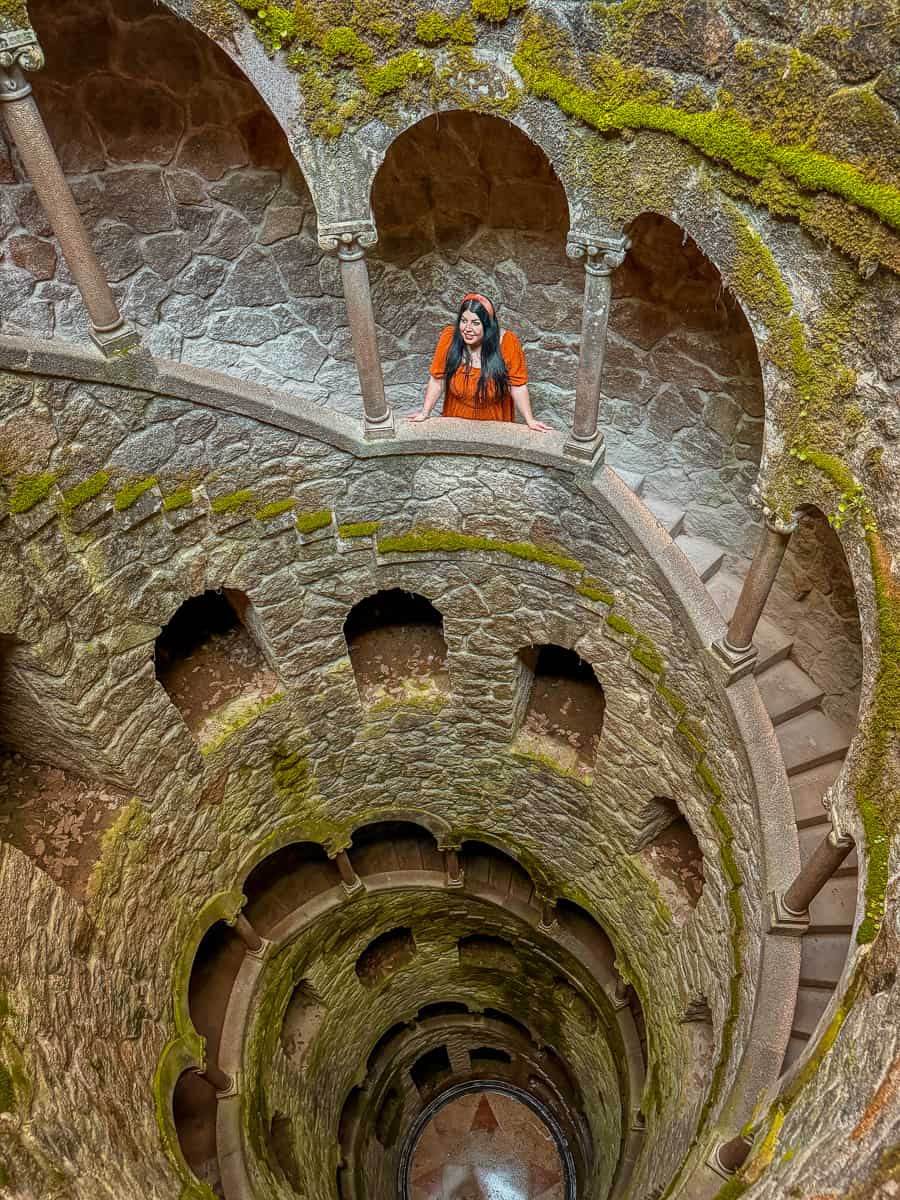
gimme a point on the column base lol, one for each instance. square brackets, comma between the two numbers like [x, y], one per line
[113, 342]
[262, 952]
[591, 450]
[350, 889]
[233, 1089]
[739, 662]
[458, 882]
[378, 430]
[784, 920]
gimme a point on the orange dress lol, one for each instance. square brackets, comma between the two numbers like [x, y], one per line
[461, 400]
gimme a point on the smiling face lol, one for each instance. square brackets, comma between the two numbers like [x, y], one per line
[471, 329]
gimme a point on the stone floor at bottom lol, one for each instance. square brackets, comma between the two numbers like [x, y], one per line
[486, 1146]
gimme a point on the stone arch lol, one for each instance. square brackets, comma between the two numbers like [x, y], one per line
[564, 704]
[683, 389]
[392, 845]
[287, 876]
[503, 234]
[384, 955]
[395, 640]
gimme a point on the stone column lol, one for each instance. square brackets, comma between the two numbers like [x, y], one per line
[248, 935]
[350, 881]
[790, 907]
[601, 257]
[213, 1074]
[736, 649]
[452, 867]
[729, 1157]
[548, 916]
[19, 52]
[350, 240]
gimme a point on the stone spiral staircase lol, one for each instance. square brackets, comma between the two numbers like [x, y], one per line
[813, 747]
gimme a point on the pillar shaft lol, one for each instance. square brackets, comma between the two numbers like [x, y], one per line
[731, 1156]
[451, 865]
[818, 869]
[758, 584]
[350, 881]
[350, 244]
[33, 143]
[247, 934]
[600, 260]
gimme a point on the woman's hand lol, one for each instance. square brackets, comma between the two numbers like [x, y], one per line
[421, 415]
[538, 426]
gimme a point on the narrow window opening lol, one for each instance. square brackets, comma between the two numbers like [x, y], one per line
[484, 1057]
[302, 1020]
[494, 953]
[385, 955]
[431, 1068]
[396, 644]
[443, 1008]
[209, 663]
[390, 1035]
[673, 857]
[494, 1014]
[564, 709]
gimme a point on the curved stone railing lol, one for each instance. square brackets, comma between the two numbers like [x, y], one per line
[773, 1000]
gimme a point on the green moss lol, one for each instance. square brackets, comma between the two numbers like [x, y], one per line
[358, 529]
[345, 43]
[708, 781]
[693, 734]
[426, 541]
[647, 655]
[590, 590]
[274, 509]
[31, 490]
[310, 522]
[87, 490]
[496, 10]
[290, 772]
[235, 717]
[620, 625]
[434, 27]
[13, 15]
[718, 135]
[180, 499]
[582, 778]
[396, 73]
[7, 1090]
[130, 493]
[232, 502]
[672, 699]
[122, 844]
[217, 18]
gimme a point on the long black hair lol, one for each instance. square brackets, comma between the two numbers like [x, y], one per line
[493, 383]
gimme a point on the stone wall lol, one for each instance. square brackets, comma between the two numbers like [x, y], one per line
[196, 209]
[312, 758]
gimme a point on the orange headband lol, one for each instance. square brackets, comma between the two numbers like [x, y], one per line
[483, 300]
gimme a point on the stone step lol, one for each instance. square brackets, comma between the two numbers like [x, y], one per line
[811, 1003]
[634, 481]
[705, 556]
[670, 516]
[822, 957]
[810, 739]
[808, 788]
[834, 908]
[787, 691]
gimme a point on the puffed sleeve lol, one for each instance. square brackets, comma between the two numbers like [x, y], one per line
[514, 357]
[440, 353]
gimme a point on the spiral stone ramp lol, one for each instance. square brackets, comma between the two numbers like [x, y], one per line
[447, 809]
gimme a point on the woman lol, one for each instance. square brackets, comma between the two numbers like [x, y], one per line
[479, 369]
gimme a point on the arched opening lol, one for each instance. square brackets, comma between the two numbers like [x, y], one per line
[213, 972]
[672, 855]
[387, 1039]
[683, 406]
[596, 947]
[431, 1069]
[209, 662]
[564, 707]
[396, 644]
[194, 1113]
[388, 1118]
[284, 880]
[502, 232]
[303, 1018]
[386, 954]
[197, 209]
[489, 953]
[486, 866]
[487, 1058]
[394, 846]
[442, 1008]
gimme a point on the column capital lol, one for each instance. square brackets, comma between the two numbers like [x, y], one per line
[601, 254]
[349, 238]
[19, 51]
[778, 524]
